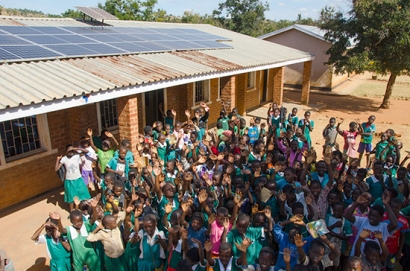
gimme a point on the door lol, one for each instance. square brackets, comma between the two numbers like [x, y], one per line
[152, 100]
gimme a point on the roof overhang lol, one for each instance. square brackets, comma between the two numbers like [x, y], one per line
[65, 103]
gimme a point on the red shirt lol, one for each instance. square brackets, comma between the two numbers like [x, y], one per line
[392, 241]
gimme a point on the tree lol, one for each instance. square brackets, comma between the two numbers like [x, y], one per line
[242, 16]
[130, 9]
[375, 37]
[70, 13]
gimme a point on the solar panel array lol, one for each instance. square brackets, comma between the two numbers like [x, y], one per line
[22, 43]
[96, 13]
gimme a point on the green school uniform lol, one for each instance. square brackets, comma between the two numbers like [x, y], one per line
[224, 122]
[83, 251]
[234, 266]
[199, 267]
[164, 201]
[276, 121]
[175, 256]
[104, 157]
[252, 233]
[379, 148]
[150, 255]
[306, 132]
[406, 211]
[162, 151]
[60, 257]
[131, 256]
[73, 188]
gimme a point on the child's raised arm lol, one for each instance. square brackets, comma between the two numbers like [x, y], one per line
[299, 244]
[200, 250]
[56, 216]
[334, 252]
[385, 250]
[364, 234]
[37, 233]
[109, 135]
[158, 177]
[286, 258]
[90, 134]
[338, 127]
[58, 164]
[208, 247]
[392, 217]
[243, 247]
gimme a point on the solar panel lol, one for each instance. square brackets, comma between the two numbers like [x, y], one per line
[8, 40]
[43, 39]
[20, 42]
[71, 50]
[102, 49]
[19, 30]
[102, 38]
[29, 51]
[4, 55]
[96, 13]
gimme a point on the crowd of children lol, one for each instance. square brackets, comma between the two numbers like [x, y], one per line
[237, 197]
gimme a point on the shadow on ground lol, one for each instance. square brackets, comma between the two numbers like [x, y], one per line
[55, 197]
[322, 102]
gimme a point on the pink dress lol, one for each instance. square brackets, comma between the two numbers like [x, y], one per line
[350, 143]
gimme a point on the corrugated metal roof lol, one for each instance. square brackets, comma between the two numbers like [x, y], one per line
[36, 82]
[313, 31]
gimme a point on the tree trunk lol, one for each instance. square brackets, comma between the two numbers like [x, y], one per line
[389, 90]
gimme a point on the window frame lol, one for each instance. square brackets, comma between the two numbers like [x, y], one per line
[251, 80]
[112, 129]
[44, 150]
[206, 85]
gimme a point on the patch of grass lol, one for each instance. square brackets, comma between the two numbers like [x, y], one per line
[376, 89]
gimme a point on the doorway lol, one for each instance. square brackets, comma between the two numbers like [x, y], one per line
[152, 100]
[265, 87]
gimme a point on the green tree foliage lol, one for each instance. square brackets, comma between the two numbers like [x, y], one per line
[70, 13]
[243, 16]
[130, 9]
[380, 30]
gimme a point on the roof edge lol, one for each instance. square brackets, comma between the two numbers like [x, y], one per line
[291, 27]
[75, 101]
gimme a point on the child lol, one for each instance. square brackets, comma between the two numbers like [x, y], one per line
[58, 249]
[372, 223]
[195, 256]
[86, 163]
[108, 233]
[316, 258]
[83, 251]
[293, 119]
[226, 261]
[377, 182]
[365, 144]
[74, 183]
[349, 147]
[353, 263]
[242, 231]
[119, 165]
[115, 200]
[253, 130]
[340, 230]
[266, 260]
[307, 126]
[177, 245]
[330, 135]
[196, 230]
[218, 229]
[371, 257]
[106, 152]
[152, 245]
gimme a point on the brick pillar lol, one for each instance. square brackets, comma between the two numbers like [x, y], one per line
[128, 120]
[228, 93]
[307, 70]
[278, 77]
[240, 91]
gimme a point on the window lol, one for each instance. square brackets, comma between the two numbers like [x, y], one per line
[24, 137]
[19, 136]
[108, 114]
[251, 80]
[201, 91]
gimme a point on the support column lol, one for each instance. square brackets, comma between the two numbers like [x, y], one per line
[278, 77]
[128, 120]
[307, 71]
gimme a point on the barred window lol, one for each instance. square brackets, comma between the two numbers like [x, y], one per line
[19, 136]
[251, 80]
[108, 114]
[201, 91]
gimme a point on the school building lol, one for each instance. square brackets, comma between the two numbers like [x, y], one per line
[308, 39]
[48, 103]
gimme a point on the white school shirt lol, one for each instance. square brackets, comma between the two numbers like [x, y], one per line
[72, 166]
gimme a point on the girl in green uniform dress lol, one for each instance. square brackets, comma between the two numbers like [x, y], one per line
[275, 122]
[83, 251]
[226, 261]
[152, 246]
[58, 249]
[307, 126]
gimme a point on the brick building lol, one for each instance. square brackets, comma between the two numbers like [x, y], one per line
[48, 103]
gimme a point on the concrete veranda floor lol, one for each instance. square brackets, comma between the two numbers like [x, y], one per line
[18, 223]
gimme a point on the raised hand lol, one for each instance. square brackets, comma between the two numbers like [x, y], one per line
[108, 134]
[197, 242]
[90, 132]
[202, 160]
[282, 196]
[299, 240]
[208, 246]
[174, 113]
[246, 242]
[286, 255]
[185, 207]
[308, 199]
[211, 219]
[378, 235]
[364, 234]
[386, 198]
[230, 169]
[227, 179]
[183, 233]
[76, 201]
[363, 198]
[237, 198]
[268, 212]
[221, 157]
[94, 202]
[227, 223]
[202, 196]
[168, 208]
[255, 209]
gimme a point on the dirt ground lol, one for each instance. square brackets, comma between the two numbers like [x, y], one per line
[17, 224]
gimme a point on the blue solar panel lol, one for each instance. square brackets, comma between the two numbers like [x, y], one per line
[102, 38]
[49, 30]
[76, 39]
[180, 45]
[152, 47]
[29, 51]
[80, 30]
[189, 37]
[152, 37]
[103, 49]
[130, 47]
[71, 50]
[9, 40]
[134, 30]
[124, 37]
[19, 30]
[4, 55]
[43, 39]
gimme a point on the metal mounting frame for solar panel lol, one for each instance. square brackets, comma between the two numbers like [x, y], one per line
[96, 13]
